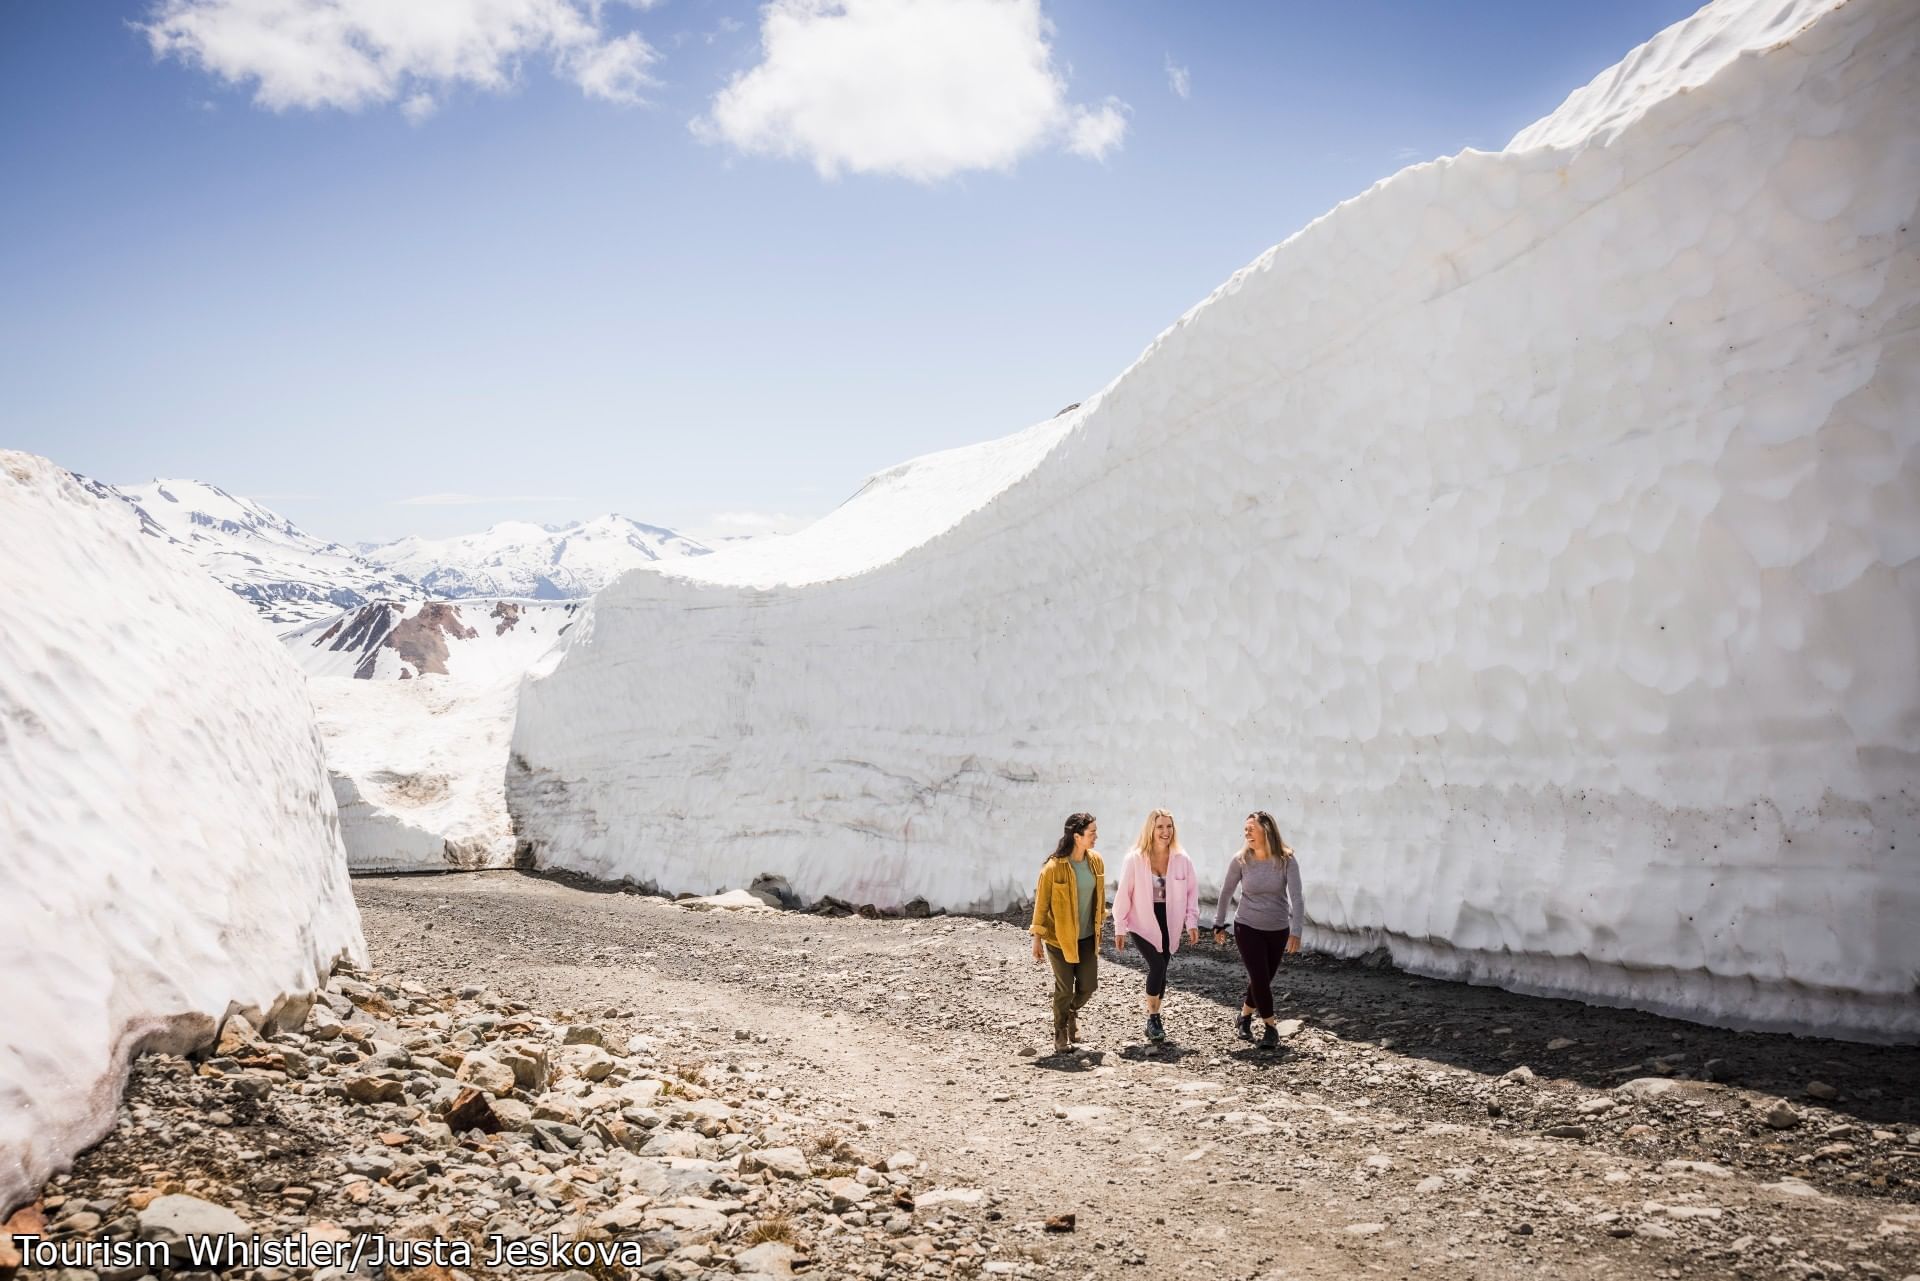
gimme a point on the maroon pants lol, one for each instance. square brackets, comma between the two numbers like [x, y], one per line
[1260, 952]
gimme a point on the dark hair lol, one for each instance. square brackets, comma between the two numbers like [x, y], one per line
[1076, 824]
[1275, 846]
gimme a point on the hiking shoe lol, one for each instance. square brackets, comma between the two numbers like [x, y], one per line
[1073, 1028]
[1062, 1043]
[1155, 1030]
[1270, 1039]
[1243, 1027]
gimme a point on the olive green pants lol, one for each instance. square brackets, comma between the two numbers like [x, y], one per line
[1073, 981]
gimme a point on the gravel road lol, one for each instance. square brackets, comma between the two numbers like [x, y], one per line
[1405, 1126]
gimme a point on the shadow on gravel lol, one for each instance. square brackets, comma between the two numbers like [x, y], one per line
[1491, 1031]
[1077, 1061]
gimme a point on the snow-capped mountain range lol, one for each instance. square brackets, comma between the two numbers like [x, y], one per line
[541, 562]
[293, 578]
[287, 574]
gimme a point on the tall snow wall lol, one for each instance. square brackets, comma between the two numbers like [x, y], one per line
[1534, 535]
[168, 846]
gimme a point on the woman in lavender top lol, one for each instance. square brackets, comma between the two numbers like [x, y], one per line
[1268, 922]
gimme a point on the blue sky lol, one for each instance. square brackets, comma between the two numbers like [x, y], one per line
[703, 263]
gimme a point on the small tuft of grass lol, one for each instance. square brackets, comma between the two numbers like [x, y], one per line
[775, 1227]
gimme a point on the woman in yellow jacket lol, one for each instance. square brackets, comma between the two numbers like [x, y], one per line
[1069, 904]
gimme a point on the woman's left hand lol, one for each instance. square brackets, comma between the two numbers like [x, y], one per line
[1193, 934]
[1293, 942]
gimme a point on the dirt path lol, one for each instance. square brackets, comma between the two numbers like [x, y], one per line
[1384, 1137]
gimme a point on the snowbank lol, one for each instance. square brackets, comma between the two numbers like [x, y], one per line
[418, 769]
[168, 846]
[1535, 534]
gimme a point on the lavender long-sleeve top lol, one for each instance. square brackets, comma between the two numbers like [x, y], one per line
[1270, 897]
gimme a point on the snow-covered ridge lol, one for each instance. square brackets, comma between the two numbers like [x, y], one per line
[168, 843]
[544, 562]
[475, 640]
[287, 574]
[1533, 533]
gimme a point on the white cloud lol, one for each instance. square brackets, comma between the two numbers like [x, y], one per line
[922, 89]
[1095, 133]
[1179, 79]
[355, 53]
[475, 500]
[419, 107]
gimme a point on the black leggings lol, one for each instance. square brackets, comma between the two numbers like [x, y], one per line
[1260, 952]
[1156, 957]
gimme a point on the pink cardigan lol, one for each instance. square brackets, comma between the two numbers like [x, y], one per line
[1133, 899]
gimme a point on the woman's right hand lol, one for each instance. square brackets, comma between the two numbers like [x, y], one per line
[1219, 936]
[1119, 941]
[1039, 953]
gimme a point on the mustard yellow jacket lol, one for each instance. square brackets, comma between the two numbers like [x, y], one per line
[1056, 916]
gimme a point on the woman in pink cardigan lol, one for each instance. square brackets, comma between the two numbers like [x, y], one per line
[1157, 901]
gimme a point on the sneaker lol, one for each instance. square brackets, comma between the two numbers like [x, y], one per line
[1243, 1027]
[1270, 1039]
[1155, 1030]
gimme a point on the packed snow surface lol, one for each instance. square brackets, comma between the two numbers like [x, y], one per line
[478, 640]
[1535, 535]
[547, 562]
[418, 770]
[168, 843]
[416, 702]
[287, 574]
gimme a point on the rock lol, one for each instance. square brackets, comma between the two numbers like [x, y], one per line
[237, 1037]
[788, 1163]
[1287, 1028]
[1822, 1091]
[774, 891]
[1431, 1184]
[768, 1259]
[1648, 1087]
[1379, 958]
[1593, 1106]
[1366, 1229]
[1716, 1070]
[667, 1142]
[1655, 1231]
[1565, 1131]
[512, 1114]
[472, 1111]
[846, 1193]
[557, 1136]
[531, 1070]
[587, 1034]
[557, 1107]
[1060, 1223]
[1561, 1043]
[917, 909]
[693, 1223]
[1028, 1052]
[487, 1072]
[1798, 1189]
[1378, 1161]
[1781, 1116]
[375, 1089]
[629, 1214]
[1705, 1168]
[901, 1161]
[1522, 1075]
[175, 1218]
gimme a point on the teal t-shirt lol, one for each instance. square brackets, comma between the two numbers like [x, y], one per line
[1083, 881]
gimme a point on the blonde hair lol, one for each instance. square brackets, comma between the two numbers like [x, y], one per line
[1277, 847]
[1143, 844]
